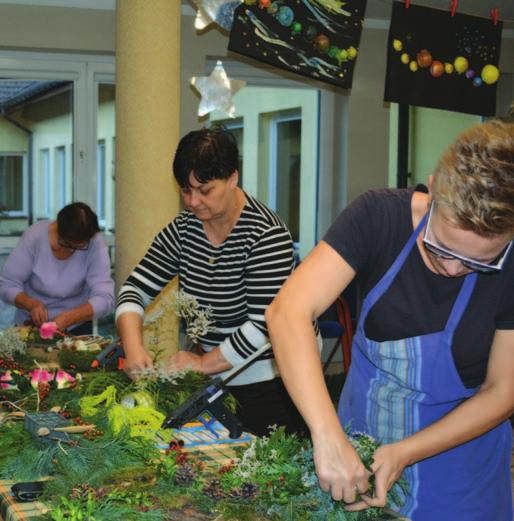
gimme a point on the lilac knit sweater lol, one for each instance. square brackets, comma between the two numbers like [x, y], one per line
[59, 284]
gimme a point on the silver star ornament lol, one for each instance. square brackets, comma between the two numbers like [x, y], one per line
[217, 91]
[220, 12]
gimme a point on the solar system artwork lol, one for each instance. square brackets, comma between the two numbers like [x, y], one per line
[314, 38]
[441, 61]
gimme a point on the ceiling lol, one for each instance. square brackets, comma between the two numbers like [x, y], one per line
[376, 9]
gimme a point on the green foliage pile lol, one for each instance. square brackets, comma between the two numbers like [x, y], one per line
[115, 476]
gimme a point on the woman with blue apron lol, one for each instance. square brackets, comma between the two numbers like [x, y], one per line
[397, 388]
[432, 370]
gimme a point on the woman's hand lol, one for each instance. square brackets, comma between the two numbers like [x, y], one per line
[338, 466]
[388, 464]
[137, 361]
[183, 360]
[211, 362]
[38, 313]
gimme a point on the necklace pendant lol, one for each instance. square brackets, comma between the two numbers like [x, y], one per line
[212, 260]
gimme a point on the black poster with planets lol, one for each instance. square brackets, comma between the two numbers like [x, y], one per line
[441, 61]
[314, 38]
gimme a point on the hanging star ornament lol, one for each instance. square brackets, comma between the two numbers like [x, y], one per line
[217, 91]
[220, 12]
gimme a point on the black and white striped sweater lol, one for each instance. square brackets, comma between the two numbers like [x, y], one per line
[237, 279]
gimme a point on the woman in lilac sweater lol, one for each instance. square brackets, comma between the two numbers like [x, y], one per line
[60, 271]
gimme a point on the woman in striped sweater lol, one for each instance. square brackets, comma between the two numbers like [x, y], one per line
[231, 253]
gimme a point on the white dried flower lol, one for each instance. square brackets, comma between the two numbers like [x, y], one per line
[198, 321]
[11, 343]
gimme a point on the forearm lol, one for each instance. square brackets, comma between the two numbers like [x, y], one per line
[297, 355]
[75, 315]
[130, 330]
[23, 301]
[214, 362]
[477, 415]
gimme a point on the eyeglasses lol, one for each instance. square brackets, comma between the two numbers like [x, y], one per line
[443, 253]
[73, 246]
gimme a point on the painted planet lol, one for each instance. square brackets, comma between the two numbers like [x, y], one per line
[477, 81]
[405, 58]
[264, 4]
[273, 8]
[352, 52]
[333, 51]
[343, 55]
[397, 45]
[461, 64]
[322, 43]
[437, 69]
[413, 66]
[448, 68]
[424, 58]
[470, 73]
[490, 74]
[297, 28]
[285, 16]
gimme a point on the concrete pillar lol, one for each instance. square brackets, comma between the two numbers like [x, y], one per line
[147, 133]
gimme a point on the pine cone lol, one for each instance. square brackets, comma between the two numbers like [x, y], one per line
[82, 490]
[245, 491]
[185, 475]
[248, 490]
[214, 490]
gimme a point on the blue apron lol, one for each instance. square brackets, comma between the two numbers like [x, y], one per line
[395, 388]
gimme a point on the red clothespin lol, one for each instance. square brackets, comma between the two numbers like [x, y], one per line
[495, 13]
[453, 7]
[407, 4]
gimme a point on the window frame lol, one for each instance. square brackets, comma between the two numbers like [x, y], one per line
[274, 122]
[86, 71]
[25, 177]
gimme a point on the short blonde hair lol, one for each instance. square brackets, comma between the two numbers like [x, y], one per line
[474, 179]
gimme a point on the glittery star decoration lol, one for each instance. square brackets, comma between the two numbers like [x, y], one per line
[220, 12]
[217, 91]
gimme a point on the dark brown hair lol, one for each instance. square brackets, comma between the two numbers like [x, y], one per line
[76, 223]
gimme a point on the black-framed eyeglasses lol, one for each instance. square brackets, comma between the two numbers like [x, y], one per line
[73, 246]
[443, 253]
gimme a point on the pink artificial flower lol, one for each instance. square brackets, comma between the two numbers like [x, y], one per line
[6, 381]
[48, 330]
[64, 379]
[40, 376]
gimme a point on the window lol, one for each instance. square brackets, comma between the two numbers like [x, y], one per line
[272, 126]
[48, 119]
[106, 134]
[284, 168]
[100, 182]
[60, 175]
[45, 207]
[12, 184]
[236, 127]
